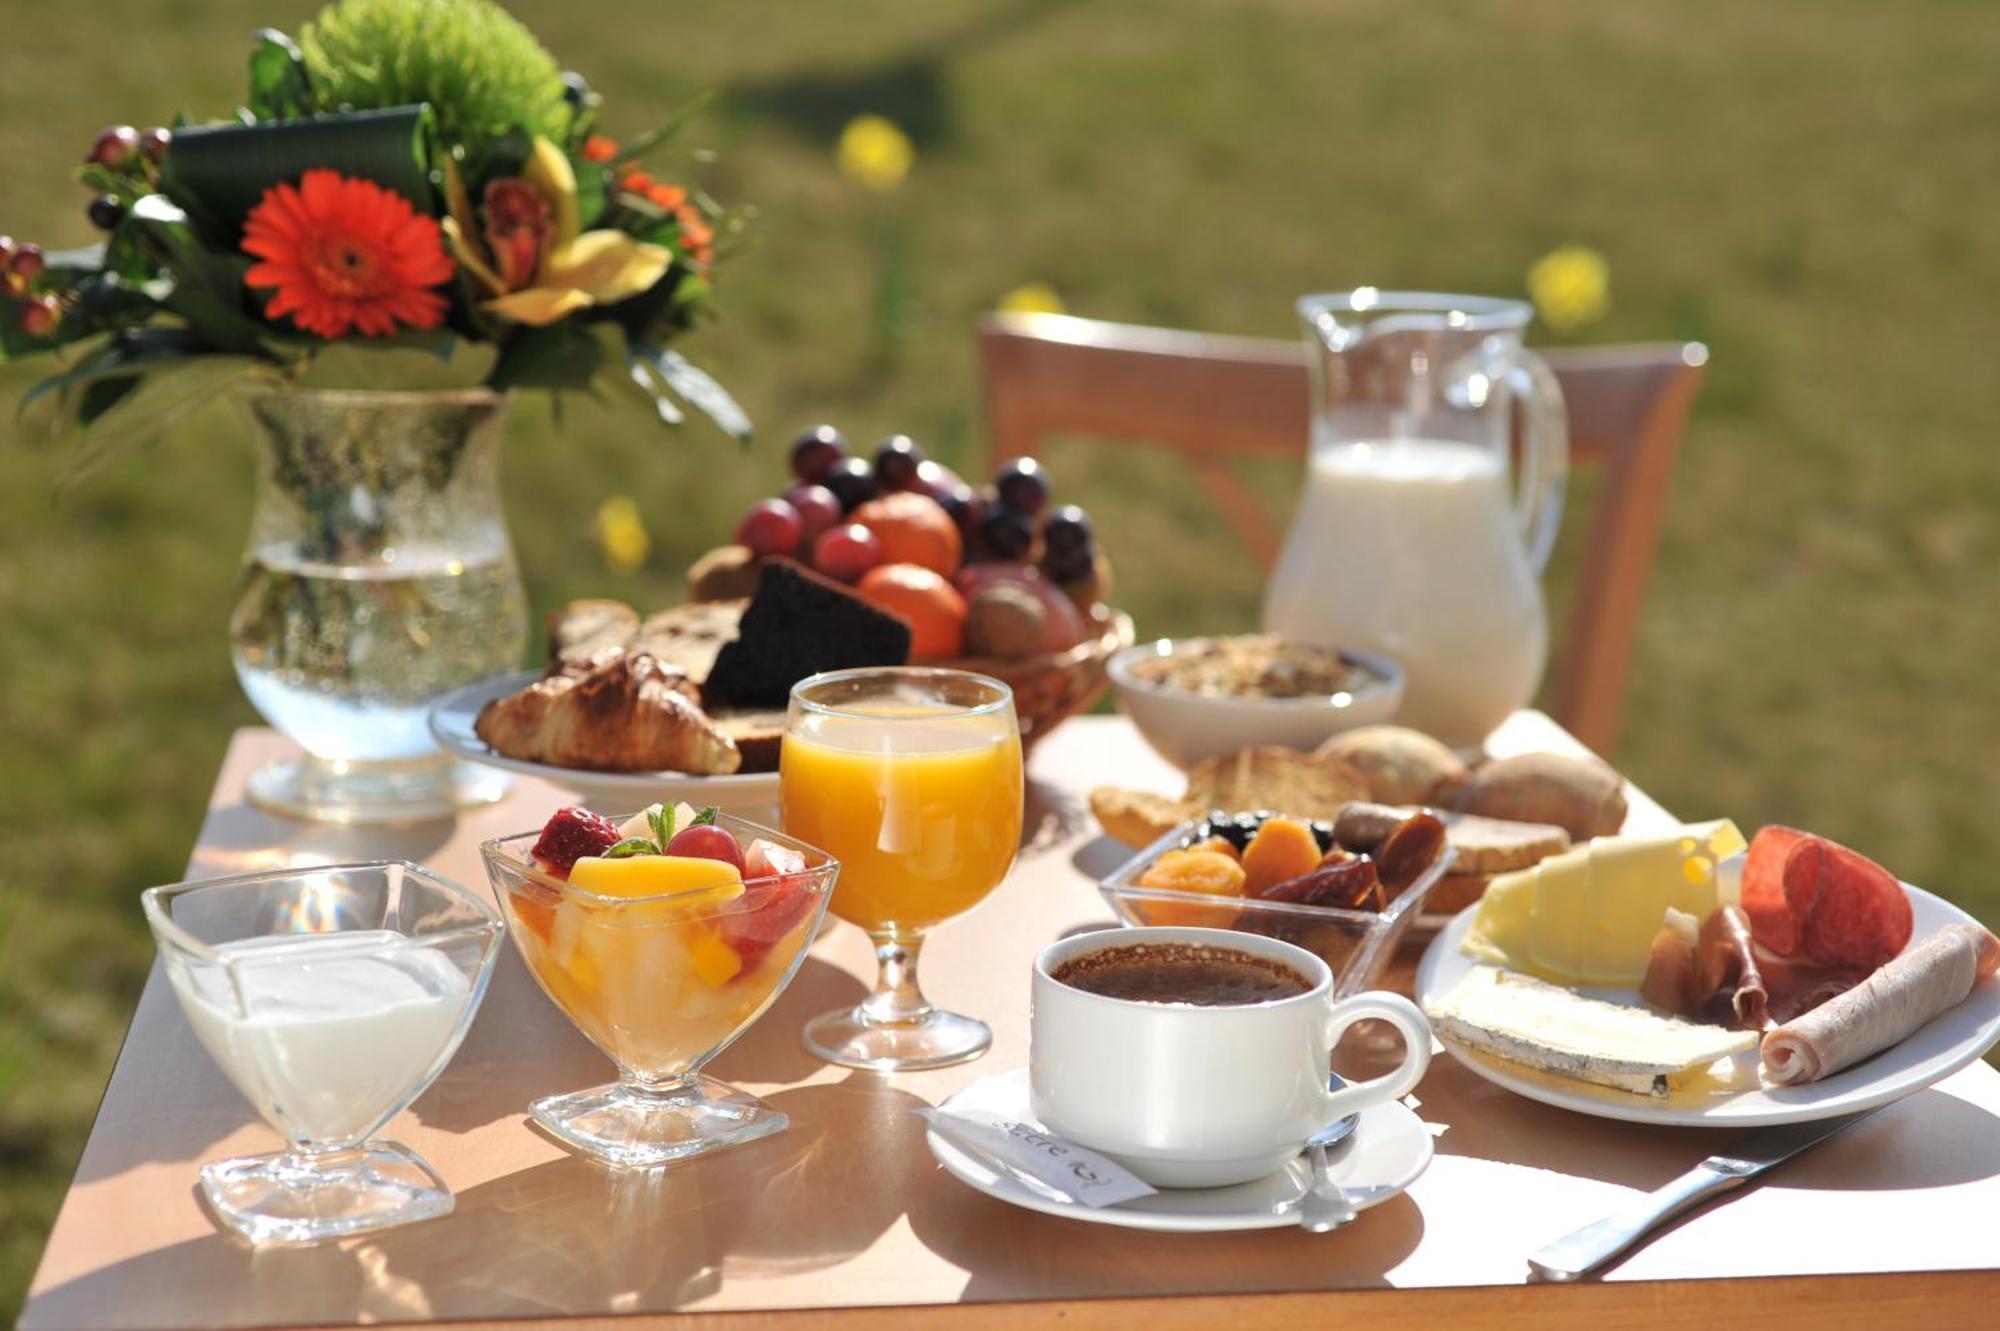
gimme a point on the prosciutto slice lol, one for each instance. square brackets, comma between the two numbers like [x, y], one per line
[1725, 962]
[1930, 978]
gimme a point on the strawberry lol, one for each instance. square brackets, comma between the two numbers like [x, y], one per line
[569, 835]
[776, 897]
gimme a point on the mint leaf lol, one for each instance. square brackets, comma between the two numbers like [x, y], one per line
[706, 818]
[662, 819]
[630, 846]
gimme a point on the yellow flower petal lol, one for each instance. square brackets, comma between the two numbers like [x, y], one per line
[874, 152]
[606, 265]
[469, 258]
[1570, 286]
[538, 306]
[622, 536]
[1033, 298]
[549, 171]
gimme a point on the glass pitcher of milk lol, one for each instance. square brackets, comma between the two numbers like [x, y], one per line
[1414, 537]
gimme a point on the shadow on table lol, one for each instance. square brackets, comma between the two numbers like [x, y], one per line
[1050, 818]
[565, 1237]
[239, 838]
[1903, 1146]
[1011, 1253]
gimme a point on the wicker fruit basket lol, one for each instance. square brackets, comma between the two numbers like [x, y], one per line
[1051, 687]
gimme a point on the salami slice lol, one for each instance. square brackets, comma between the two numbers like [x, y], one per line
[1772, 922]
[1857, 914]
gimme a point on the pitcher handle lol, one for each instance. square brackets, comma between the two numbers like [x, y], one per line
[1538, 500]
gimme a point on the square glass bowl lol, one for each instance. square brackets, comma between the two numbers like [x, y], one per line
[661, 985]
[1355, 944]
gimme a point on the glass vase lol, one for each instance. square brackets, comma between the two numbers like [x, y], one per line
[378, 577]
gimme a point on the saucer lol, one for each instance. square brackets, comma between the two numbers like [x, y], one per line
[1390, 1147]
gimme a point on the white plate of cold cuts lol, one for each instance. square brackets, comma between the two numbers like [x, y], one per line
[1737, 1090]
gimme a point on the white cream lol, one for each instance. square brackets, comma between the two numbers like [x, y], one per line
[325, 1034]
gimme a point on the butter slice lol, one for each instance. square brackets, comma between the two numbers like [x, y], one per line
[1588, 915]
[1561, 1032]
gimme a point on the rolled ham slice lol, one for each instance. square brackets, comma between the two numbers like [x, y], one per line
[1726, 963]
[1882, 1010]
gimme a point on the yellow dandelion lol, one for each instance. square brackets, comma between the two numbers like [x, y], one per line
[1570, 286]
[621, 535]
[1033, 298]
[875, 153]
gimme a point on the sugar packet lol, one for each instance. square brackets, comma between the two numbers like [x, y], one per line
[1028, 1153]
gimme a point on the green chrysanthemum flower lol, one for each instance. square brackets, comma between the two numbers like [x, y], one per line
[482, 72]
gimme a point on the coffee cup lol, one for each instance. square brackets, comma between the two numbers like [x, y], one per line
[1207, 1093]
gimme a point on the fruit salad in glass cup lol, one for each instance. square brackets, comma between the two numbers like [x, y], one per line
[662, 938]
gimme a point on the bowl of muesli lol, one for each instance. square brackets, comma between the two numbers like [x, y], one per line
[1193, 698]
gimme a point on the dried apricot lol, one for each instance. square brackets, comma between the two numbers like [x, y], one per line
[1221, 846]
[1204, 872]
[1283, 849]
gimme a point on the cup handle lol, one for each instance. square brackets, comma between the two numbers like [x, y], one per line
[1409, 1021]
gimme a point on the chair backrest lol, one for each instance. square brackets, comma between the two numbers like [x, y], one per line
[1215, 398]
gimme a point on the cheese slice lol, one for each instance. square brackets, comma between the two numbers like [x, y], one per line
[1561, 1032]
[1588, 915]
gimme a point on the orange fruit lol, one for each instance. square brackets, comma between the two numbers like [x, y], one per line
[1282, 850]
[932, 606]
[913, 529]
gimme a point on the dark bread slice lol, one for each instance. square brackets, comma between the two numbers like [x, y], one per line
[759, 735]
[800, 624]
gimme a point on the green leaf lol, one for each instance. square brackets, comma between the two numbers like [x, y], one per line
[561, 355]
[649, 383]
[699, 389]
[218, 173]
[280, 89]
[125, 356]
[593, 190]
[638, 147]
[661, 819]
[630, 846]
[162, 400]
[409, 361]
[706, 818]
[208, 290]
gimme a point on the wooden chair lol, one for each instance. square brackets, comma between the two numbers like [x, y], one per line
[1215, 398]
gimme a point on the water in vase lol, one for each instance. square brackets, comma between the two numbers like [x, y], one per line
[348, 658]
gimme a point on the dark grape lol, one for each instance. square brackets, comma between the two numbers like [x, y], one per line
[896, 463]
[105, 212]
[817, 452]
[1067, 532]
[1023, 485]
[1067, 567]
[967, 509]
[1008, 532]
[852, 481]
[937, 480]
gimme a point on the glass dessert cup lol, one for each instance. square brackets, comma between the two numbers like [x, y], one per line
[330, 997]
[661, 985]
[913, 778]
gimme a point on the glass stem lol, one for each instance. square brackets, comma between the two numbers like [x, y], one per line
[896, 1001]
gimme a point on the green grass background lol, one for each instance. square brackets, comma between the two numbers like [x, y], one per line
[1807, 187]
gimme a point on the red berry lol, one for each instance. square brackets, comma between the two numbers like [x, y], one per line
[771, 527]
[114, 147]
[816, 452]
[569, 835]
[6, 250]
[706, 841]
[847, 552]
[40, 315]
[818, 510]
[154, 143]
[27, 261]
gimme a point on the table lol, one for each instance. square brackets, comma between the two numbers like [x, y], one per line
[846, 1213]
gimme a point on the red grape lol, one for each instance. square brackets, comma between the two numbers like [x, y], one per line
[817, 452]
[937, 480]
[817, 507]
[1023, 485]
[847, 552]
[706, 841]
[771, 527]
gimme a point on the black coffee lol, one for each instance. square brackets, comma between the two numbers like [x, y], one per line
[1181, 973]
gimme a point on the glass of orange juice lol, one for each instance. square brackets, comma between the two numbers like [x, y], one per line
[912, 779]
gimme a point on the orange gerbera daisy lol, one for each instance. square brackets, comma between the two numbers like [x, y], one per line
[346, 254]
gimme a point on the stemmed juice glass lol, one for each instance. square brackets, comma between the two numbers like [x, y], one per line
[912, 777]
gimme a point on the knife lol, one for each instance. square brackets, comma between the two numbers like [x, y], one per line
[1575, 1256]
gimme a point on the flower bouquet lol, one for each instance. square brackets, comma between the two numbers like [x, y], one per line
[412, 214]
[416, 179]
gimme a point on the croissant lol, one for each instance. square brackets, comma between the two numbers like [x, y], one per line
[614, 711]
